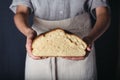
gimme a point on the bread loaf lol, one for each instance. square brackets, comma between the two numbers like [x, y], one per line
[58, 42]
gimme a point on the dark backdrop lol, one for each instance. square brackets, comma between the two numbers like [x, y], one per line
[12, 48]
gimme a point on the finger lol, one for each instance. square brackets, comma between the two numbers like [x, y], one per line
[74, 58]
[29, 51]
[88, 49]
[87, 52]
[67, 57]
[34, 57]
[78, 58]
[29, 46]
[45, 57]
[41, 58]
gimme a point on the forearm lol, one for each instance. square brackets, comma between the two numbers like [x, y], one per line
[101, 25]
[21, 21]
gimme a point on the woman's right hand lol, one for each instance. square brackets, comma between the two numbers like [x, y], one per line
[30, 37]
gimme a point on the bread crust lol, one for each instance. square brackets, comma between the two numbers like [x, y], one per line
[65, 32]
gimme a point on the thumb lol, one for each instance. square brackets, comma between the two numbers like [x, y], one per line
[89, 47]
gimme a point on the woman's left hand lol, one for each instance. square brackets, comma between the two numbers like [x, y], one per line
[89, 43]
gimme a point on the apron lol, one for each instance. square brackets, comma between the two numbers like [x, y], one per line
[59, 68]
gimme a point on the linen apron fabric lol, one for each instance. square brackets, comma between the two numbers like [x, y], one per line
[59, 68]
[68, 13]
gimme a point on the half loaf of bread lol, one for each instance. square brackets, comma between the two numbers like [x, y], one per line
[58, 42]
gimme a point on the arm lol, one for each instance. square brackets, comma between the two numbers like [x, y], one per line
[101, 25]
[21, 21]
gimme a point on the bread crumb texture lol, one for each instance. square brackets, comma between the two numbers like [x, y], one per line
[58, 43]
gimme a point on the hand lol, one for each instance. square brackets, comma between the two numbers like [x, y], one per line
[31, 35]
[75, 58]
[89, 43]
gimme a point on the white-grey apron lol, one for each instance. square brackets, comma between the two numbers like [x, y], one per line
[59, 68]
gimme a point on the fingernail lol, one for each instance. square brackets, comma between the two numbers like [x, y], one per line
[88, 49]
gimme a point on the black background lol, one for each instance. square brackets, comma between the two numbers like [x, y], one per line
[12, 47]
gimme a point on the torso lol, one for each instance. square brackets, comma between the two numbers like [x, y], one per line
[58, 9]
